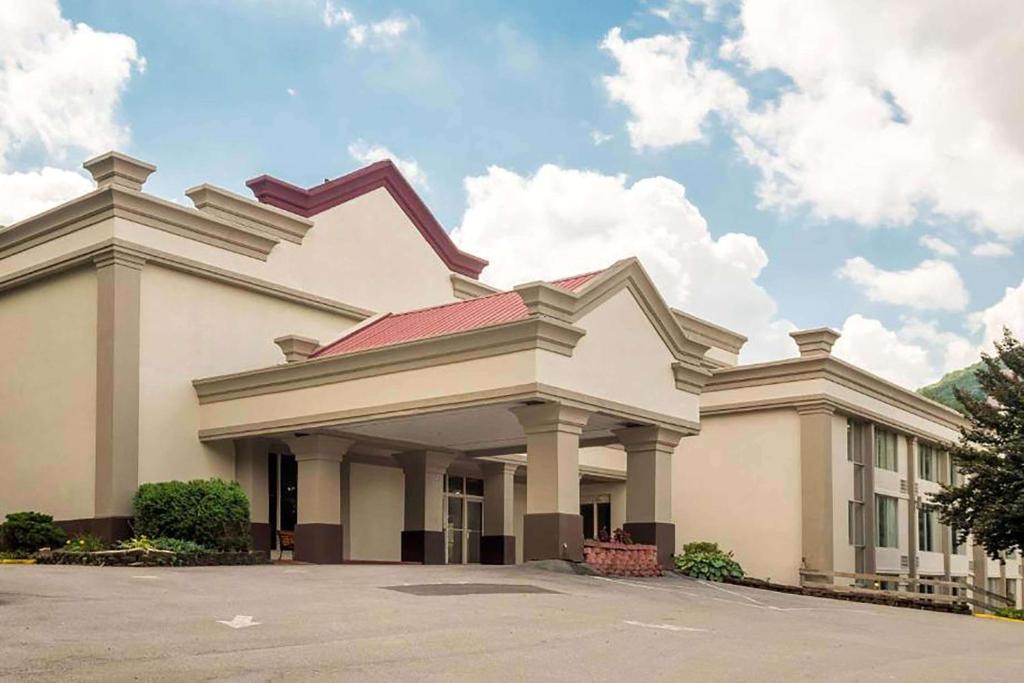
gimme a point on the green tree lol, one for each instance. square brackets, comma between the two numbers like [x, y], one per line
[989, 503]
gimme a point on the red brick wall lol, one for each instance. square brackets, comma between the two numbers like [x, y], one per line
[619, 559]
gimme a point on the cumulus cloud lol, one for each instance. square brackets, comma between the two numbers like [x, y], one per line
[375, 34]
[599, 138]
[60, 88]
[26, 194]
[560, 221]
[938, 245]
[669, 96]
[891, 111]
[1007, 312]
[931, 284]
[992, 249]
[362, 151]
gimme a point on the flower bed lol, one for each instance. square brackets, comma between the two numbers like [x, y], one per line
[622, 559]
[153, 558]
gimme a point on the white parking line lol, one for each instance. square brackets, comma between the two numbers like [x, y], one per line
[666, 627]
[145, 576]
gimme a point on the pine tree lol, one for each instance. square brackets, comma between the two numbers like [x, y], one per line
[989, 503]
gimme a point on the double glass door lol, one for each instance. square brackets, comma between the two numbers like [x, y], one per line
[464, 519]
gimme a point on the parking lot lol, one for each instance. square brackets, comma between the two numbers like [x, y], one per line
[401, 622]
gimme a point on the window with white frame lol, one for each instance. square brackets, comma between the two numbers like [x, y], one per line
[885, 450]
[887, 521]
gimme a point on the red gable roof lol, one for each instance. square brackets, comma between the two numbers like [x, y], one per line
[319, 198]
[424, 323]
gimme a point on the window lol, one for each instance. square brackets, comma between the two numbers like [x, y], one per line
[597, 517]
[957, 548]
[927, 529]
[855, 520]
[927, 463]
[885, 450]
[888, 524]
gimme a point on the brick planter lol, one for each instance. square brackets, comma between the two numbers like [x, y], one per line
[620, 559]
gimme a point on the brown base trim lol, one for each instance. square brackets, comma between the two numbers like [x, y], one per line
[318, 543]
[425, 547]
[553, 536]
[109, 529]
[661, 534]
[497, 550]
[260, 533]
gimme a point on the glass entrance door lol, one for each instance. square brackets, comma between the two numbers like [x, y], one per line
[464, 519]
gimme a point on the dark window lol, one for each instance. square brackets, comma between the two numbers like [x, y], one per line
[474, 487]
[604, 517]
[289, 492]
[272, 485]
[587, 510]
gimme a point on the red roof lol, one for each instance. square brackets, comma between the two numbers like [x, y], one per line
[436, 321]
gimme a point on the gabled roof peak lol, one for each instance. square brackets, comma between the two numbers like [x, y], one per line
[331, 193]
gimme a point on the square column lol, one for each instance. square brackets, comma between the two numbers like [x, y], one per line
[553, 526]
[649, 452]
[251, 456]
[318, 530]
[498, 543]
[423, 535]
[816, 488]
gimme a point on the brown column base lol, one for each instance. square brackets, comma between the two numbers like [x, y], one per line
[260, 533]
[109, 529]
[661, 534]
[497, 550]
[426, 547]
[318, 543]
[553, 536]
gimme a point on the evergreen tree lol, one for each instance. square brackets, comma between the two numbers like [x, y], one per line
[989, 503]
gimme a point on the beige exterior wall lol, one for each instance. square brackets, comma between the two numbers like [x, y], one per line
[48, 396]
[519, 501]
[738, 484]
[192, 327]
[365, 252]
[844, 553]
[373, 510]
[641, 374]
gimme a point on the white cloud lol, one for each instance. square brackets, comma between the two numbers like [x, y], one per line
[938, 245]
[366, 153]
[912, 356]
[1008, 312]
[26, 194]
[930, 285]
[292, 92]
[893, 111]
[60, 83]
[599, 138]
[384, 33]
[560, 222]
[992, 249]
[60, 88]
[669, 96]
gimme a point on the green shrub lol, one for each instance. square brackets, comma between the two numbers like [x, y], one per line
[1010, 613]
[136, 543]
[27, 532]
[84, 543]
[211, 513]
[704, 560]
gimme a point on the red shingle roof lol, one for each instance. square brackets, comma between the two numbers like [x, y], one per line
[436, 321]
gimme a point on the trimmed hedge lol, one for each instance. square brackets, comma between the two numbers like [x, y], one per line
[212, 513]
[27, 532]
[143, 558]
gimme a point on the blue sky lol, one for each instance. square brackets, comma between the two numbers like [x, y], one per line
[234, 88]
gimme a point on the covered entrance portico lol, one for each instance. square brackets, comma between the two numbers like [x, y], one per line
[601, 367]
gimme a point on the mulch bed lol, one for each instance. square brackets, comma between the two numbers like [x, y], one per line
[153, 558]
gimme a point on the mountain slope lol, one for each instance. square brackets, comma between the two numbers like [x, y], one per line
[942, 391]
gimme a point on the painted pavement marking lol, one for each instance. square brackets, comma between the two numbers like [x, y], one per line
[666, 627]
[240, 621]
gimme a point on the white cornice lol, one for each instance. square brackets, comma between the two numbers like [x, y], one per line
[249, 214]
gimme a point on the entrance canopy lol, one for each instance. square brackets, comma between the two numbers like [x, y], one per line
[446, 377]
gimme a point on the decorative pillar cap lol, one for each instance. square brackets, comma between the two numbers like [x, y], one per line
[120, 170]
[296, 348]
[816, 343]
